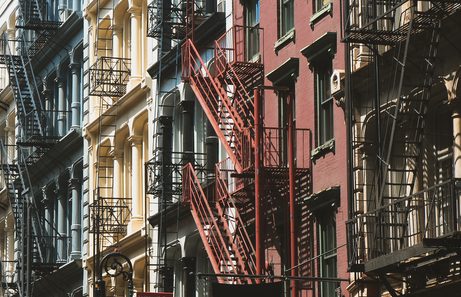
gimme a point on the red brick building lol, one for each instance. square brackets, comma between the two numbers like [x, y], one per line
[300, 51]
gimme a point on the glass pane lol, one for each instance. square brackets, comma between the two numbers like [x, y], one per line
[288, 20]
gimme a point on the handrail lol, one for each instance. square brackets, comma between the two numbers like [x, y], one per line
[241, 237]
[214, 107]
[214, 243]
[405, 222]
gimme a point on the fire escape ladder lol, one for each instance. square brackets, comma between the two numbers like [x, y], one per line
[414, 40]
[107, 79]
[29, 110]
[28, 224]
[109, 214]
[213, 225]
[403, 151]
[104, 28]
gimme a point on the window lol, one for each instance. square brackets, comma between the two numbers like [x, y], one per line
[324, 101]
[252, 33]
[320, 4]
[327, 248]
[287, 16]
[284, 122]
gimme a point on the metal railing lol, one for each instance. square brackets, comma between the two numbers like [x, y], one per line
[214, 230]
[165, 176]
[109, 77]
[431, 213]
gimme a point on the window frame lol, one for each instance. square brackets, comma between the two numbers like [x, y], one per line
[324, 102]
[252, 32]
[328, 263]
[286, 8]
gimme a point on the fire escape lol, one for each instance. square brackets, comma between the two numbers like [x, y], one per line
[389, 209]
[34, 244]
[231, 98]
[106, 79]
[168, 22]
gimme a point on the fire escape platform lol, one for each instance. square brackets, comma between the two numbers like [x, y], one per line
[276, 177]
[37, 24]
[418, 255]
[368, 35]
[243, 70]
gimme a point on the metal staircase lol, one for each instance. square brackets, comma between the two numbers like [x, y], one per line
[33, 242]
[36, 15]
[228, 106]
[225, 239]
[224, 96]
[31, 114]
[411, 30]
[168, 23]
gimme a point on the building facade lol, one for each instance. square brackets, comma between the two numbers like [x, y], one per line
[250, 139]
[403, 128]
[41, 148]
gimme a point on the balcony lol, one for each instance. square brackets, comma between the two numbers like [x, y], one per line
[164, 171]
[407, 231]
[387, 22]
[169, 20]
[109, 77]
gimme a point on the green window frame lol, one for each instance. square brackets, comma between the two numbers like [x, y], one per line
[252, 33]
[319, 5]
[287, 16]
[324, 102]
[327, 248]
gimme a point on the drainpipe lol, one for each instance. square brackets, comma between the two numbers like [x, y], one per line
[258, 229]
[291, 172]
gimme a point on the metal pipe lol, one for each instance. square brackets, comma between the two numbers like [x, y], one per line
[258, 235]
[291, 173]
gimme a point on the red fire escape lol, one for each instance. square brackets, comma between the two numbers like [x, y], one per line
[224, 91]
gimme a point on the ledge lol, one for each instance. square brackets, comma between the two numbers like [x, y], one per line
[321, 150]
[325, 199]
[324, 45]
[284, 40]
[326, 9]
[288, 70]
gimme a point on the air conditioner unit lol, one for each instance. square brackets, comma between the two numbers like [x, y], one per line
[336, 82]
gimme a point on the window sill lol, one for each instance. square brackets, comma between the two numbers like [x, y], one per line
[327, 9]
[284, 40]
[319, 151]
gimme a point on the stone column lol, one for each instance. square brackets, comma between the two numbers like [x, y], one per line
[118, 167]
[9, 135]
[61, 104]
[75, 68]
[188, 131]
[136, 53]
[76, 227]
[9, 249]
[48, 96]
[48, 207]
[61, 197]
[117, 41]
[76, 5]
[136, 185]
